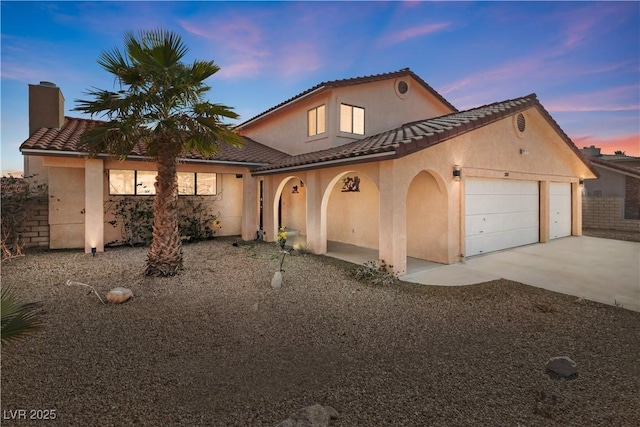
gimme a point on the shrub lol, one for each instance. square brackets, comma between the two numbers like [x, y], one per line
[134, 214]
[19, 197]
[377, 273]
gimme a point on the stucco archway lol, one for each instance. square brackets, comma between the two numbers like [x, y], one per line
[427, 218]
[290, 209]
[349, 216]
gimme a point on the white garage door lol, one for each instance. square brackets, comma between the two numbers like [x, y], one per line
[500, 214]
[559, 210]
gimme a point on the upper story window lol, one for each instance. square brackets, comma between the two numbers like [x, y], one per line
[351, 119]
[141, 183]
[316, 121]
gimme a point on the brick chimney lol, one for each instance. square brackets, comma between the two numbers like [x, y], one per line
[46, 106]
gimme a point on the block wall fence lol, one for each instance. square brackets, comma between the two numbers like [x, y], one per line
[607, 213]
[35, 232]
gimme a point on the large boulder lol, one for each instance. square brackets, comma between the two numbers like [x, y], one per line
[562, 367]
[119, 295]
[276, 282]
[311, 416]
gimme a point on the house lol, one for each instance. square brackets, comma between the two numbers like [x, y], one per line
[612, 201]
[382, 162]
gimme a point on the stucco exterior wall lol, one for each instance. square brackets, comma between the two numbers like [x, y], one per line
[427, 221]
[610, 184]
[420, 206]
[294, 206]
[353, 217]
[76, 220]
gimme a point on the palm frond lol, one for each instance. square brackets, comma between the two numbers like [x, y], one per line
[17, 319]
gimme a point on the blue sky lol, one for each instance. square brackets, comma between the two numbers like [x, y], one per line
[582, 59]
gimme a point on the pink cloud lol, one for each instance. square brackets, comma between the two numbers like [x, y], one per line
[299, 58]
[630, 144]
[243, 49]
[613, 99]
[410, 33]
[240, 35]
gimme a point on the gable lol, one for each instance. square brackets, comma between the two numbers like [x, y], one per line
[385, 101]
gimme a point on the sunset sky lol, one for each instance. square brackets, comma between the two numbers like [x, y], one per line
[581, 58]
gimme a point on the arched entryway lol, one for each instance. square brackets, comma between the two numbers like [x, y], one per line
[427, 218]
[290, 208]
[350, 217]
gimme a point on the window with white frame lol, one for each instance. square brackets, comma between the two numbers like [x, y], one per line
[141, 183]
[316, 121]
[351, 119]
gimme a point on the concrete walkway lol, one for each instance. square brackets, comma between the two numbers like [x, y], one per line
[602, 270]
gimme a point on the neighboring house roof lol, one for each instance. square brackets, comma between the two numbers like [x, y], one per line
[66, 142]
[350, 82]
[608, 164]
[416, 136]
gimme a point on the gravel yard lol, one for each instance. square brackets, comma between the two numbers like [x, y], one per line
[217, 346]
[629, 236]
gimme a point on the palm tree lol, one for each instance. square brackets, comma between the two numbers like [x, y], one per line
[160, 105]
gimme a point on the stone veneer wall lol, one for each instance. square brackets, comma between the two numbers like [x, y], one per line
[606, 213]
[35, 232]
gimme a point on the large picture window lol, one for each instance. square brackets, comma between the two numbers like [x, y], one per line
[316, 121]
[141, 183]
[351, 119]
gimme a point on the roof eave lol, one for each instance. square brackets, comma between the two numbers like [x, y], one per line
[387, 155]
[79, 154]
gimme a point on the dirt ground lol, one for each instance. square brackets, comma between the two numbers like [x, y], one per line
[217, 346]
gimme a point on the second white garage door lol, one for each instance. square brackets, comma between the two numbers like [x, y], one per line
[500, 214]
[559, 210]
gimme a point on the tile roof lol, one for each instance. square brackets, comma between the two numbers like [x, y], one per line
[615, 166]
[66, 141]
[416, 136]
[354, 81]
[398, 142]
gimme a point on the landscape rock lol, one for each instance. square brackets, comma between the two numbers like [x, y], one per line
[276, 282]
[562, 367]
[119, 295]
[311, 416]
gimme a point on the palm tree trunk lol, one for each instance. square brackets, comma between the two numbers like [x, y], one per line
[165, 254]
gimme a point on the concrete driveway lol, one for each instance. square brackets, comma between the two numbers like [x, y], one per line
[602, 270]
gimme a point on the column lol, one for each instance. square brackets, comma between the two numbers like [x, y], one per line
[93, 205]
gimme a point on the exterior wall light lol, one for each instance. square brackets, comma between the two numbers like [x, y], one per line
[93, 251]
[457, 173]
[581, 182]
[524, 152]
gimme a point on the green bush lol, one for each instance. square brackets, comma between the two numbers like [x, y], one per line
[134, 214]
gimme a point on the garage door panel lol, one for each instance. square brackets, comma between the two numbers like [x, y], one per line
[493, 204]
[500, 214]
[495, 223]
[481, 244]
[492, 186]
